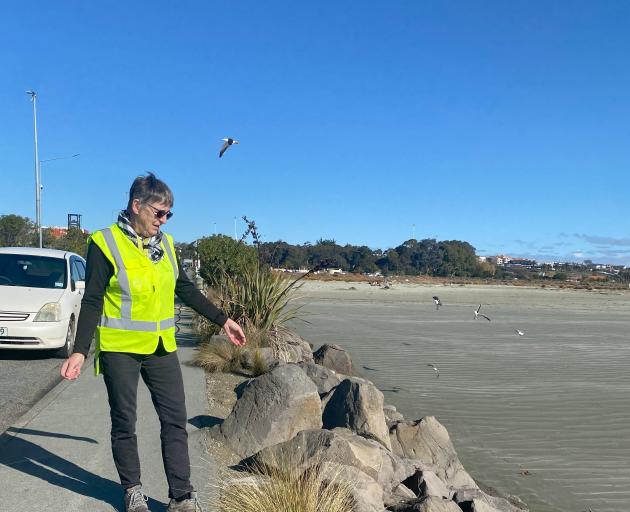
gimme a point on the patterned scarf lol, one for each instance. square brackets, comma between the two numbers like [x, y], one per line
[155, 252]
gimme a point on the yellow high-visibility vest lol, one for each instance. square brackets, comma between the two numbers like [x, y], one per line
[139, 303]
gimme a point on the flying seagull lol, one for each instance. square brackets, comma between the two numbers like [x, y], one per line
[519, 332]
[435, 368]
[227, 142]
[437, 301]
[477, 314]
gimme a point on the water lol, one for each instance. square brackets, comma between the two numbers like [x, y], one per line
[555, 402]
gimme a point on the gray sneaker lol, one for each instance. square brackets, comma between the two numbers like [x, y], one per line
[135, 500]
[190, 505]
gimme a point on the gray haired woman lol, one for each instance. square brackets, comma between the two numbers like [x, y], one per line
[132, 278]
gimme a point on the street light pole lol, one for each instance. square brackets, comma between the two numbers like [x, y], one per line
[38, 197]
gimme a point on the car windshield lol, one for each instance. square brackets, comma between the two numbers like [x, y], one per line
[32, 271]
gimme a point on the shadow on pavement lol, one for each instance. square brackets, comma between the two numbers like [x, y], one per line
[25, 456]
[26, 355]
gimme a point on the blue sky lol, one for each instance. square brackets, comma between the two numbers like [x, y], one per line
[504, 124]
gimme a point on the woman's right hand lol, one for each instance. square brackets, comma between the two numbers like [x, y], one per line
[71, 368]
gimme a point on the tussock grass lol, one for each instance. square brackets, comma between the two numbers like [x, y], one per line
[219, 355]
[288, 488]
[259, 366]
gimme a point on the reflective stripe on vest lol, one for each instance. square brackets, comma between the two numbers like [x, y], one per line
[123, 279]
[136, 325]
[171, 257]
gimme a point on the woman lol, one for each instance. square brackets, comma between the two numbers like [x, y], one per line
[132, 278]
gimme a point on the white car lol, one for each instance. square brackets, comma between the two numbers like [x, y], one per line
[40, 298]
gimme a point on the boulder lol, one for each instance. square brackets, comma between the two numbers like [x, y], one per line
[359, 407]
[271, 409]
[400, 494]
[475, 500]
[324, 378]
[290, 347]
[428, 504]
[367, 494]
[392, 415]
[339, 446]
[335, 358]
[428, 440]
[426, 483]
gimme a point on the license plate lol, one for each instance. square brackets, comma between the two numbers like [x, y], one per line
[4, 331]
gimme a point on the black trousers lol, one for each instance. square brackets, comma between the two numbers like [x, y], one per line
[163, 377]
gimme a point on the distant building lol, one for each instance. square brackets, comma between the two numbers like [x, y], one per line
[502, 259]
[521, 262]
[60, 231]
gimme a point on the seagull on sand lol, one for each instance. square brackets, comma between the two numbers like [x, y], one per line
[477, 314]
[435, 368]
[519, 332]
[437, 301]
[227, 142]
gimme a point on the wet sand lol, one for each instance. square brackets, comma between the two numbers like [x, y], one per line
[554, 402]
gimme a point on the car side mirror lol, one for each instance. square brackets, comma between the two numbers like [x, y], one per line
[79, 285]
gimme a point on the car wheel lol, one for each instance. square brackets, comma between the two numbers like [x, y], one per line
[65, 351]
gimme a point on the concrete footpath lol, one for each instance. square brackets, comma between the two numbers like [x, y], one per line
[57, 457]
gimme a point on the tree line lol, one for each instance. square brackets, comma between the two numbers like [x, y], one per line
[17, 231]
[447, 258]
[412, 257]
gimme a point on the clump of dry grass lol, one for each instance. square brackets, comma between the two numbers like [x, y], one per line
[288, 488]
[219, 356]
[259, 366]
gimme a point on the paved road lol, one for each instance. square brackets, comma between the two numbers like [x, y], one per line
[25, 376]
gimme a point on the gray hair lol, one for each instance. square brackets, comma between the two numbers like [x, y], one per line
[149, 189]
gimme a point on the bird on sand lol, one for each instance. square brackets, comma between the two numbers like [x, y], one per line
[227, 142]
[477, 314]
[435, 368]
[519, 332]
[437, 301]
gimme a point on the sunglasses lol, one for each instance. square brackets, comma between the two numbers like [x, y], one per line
[161, 213]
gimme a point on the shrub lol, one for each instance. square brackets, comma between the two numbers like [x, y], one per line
[221, 255]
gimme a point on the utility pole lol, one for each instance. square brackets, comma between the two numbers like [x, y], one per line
[413, 231]
[38, 213]
[234, 228]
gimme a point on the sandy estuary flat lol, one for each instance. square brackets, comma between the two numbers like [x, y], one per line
[545, 415]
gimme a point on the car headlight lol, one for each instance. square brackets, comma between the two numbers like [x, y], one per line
[50, 312]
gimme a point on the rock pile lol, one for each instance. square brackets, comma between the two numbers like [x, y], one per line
[308, 412]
